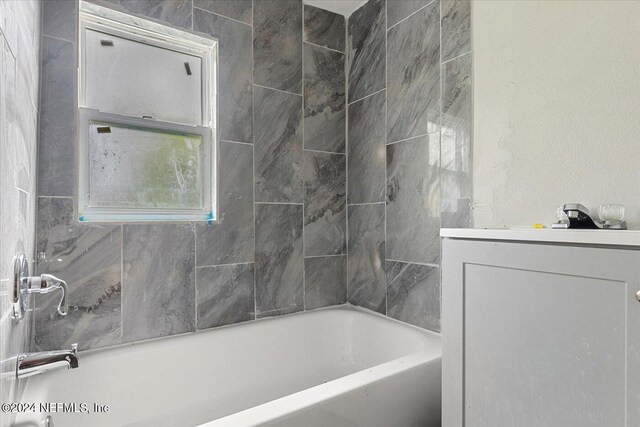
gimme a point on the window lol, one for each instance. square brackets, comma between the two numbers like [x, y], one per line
[147, 97]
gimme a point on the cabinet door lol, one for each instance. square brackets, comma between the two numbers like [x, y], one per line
[540, 335]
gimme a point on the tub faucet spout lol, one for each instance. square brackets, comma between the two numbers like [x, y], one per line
[29, 364]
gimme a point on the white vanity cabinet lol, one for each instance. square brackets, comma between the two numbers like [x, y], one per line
[540, 328]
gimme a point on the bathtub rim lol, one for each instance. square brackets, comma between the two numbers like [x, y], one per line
[342, 307]
[303, 399]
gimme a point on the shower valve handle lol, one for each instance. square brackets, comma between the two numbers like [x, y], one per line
[23, 285]
[46, 283]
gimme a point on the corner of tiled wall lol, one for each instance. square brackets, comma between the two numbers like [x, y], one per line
[324, 158]
[409, 151]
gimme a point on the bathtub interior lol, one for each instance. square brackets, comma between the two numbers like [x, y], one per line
[194, 378]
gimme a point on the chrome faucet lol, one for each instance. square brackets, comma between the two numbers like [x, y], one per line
[578, 217]
[29, 364]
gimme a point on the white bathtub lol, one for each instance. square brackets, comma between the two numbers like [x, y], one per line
[338, 366]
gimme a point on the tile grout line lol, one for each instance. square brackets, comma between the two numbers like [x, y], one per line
[5, 41]
[36, 208]
[236, 142]
[412, 262]
[304, 192]
[279, 203]
[31, 344]
[346, 152]
[323, 256]
[57, 38]
[54, 197]
[195, 274]
[318, 45]
[324, 152]
[370, 95]
[253, 172]
[441, 97]
[454, 58]
[195, 227]
[410, 138]
[223, 16]
[253, 178]
[365, 203]
[122, 287]
[410, 15]
[386, 133]
[224, 265]
[277, 90]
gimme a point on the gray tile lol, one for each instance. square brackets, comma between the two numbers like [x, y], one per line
[456, 28]
[324, 99]
[413, 294]
[325, 281]
[324, 203]
[456, 158]
[365, 260]
[224, 295]
[158, 281]
[109, 3]
[456, 211]
[277, 44]
[367, 30]
[9, 14]
[239, 10]
[367, 150]
[278, 146]
[87, 257]
[56, 144]
[413, 205]
[174, 12]
[59, 19]
[20, 32]
[397, 10]
[413, 75]
[230, 239]
[28, 66]
[324, 28]
[235, 116]
[279, 259]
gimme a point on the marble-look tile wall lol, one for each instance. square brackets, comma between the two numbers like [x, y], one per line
[279, 244]
[324, 172]
[409, 151]
[19, 70]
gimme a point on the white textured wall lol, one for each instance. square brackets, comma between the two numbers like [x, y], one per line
[556, 108]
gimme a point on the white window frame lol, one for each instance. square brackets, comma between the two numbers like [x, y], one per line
[108, 21]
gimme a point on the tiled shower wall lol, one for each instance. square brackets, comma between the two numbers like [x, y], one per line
[280, 243]
[19, 59]
[409, 150]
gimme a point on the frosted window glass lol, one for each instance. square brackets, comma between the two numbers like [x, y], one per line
[134, 79]
[135, 167]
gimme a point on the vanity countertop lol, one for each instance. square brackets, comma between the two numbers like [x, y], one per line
[583, 237]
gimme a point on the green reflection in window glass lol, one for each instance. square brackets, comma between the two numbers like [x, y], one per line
[133, 167]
